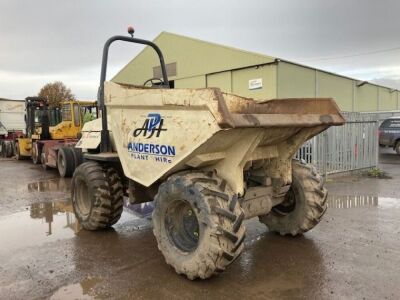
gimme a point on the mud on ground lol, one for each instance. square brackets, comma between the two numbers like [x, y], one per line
[354, 253]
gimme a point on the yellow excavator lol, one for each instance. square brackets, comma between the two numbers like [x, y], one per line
[52, 132]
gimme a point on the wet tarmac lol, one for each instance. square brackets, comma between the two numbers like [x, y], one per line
[354, 253]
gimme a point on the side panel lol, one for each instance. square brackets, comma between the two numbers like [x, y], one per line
[366, 98]
[265, 76]
[295, 81]
[336, 87]
[12, 114]
[221, 80]
[387, 99]
[192, 82]
[25, 146]
[152, 140]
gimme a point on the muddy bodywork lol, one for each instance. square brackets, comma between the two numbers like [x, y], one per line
[157, 132]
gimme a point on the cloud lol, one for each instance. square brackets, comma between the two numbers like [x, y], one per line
[49, 40]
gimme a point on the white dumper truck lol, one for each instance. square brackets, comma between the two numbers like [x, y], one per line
[209, 160]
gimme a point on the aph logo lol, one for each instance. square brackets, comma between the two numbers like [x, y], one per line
[152, 125]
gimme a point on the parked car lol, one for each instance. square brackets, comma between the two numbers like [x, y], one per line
[389, 133]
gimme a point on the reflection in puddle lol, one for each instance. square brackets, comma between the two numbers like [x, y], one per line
[335, 201]
[51, 221]
[36, 226]
[47, 210]
[51, 185]
[80, 290]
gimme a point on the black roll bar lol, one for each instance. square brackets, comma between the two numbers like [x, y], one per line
[105, 145]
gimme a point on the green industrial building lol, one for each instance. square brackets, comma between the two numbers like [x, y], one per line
[193, 63]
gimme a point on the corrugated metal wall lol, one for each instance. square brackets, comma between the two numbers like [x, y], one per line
[350, 94]
[200, 64]
[237, 81]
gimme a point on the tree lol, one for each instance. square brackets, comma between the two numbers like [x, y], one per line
[55, 93]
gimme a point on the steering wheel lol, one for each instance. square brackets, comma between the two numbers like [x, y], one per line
[153, 81]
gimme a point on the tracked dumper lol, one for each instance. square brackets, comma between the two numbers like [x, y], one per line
[209, 160]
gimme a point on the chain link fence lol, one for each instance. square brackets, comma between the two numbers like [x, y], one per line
[352, 146]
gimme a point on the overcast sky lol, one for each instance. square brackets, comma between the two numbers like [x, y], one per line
[49, 40]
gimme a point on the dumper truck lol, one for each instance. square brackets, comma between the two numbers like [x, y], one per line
[209, 160]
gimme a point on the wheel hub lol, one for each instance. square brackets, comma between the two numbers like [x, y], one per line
[182, 225]
[288, 205]
[82, 197]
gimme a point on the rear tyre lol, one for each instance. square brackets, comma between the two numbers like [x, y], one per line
[97, 196]
[17, 152]
[36, 155]
[397, 147]
[3, 151]
[43, 161]
[65, 162]
[9, 149]
[198, 224]
[304, 204]
[6, 149]
[78, 157]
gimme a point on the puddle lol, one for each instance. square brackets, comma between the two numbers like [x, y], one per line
[51, 185]
[80, 290]
[40, 223]
[52, 221]
[335, 201]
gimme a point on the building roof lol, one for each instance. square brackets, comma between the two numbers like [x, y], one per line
[207, 58]
[194, 57]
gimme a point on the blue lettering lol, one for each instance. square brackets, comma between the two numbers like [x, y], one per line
[155, 149]
[163, 149]
[171, 150]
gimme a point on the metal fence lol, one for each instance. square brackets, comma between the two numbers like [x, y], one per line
[344, 148]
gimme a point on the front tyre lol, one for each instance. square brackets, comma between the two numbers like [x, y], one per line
[198, 224]
[304, 204]
[97, 195]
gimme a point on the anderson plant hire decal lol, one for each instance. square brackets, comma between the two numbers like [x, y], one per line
[151, 128]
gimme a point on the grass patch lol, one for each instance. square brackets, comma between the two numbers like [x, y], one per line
[377, 173]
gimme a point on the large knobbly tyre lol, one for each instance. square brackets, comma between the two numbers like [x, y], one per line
[78, 157]
[304, 204]
[97, 195]
[65, 162]
[198, 224]
[6, 149]
[2, 149]
[36, 153]
[43, 161]
[18, 155]
[397, 147]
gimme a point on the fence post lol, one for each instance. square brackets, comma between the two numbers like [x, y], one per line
[325, 156]
[376, 142]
